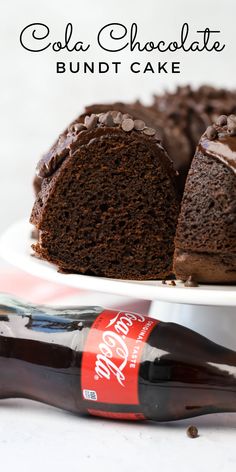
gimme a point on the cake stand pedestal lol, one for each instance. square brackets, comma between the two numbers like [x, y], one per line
[207, 309]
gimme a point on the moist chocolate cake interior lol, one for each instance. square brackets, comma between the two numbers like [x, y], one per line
[111, 207]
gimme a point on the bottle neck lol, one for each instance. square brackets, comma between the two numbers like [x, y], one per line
[201, 374]
[194, 357]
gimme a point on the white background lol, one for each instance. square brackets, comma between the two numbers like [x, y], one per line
[36, 103]
[35, 106]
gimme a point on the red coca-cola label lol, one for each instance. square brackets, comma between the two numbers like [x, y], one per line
[111, 359]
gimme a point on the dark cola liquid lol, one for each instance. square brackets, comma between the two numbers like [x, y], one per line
[181, 374]
[40, 352]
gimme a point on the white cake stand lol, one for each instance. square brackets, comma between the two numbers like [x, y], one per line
[207, 309]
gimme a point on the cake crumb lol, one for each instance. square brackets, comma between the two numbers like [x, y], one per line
[170, 283]
[190, 282]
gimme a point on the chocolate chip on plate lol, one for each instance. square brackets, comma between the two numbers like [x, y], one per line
[192, 432]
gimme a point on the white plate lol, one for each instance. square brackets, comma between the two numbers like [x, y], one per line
[15, 247]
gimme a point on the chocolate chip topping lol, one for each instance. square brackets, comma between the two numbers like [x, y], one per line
[127, 124]
[139, 125]
[211, 133]
[77, 127]
[219, 141]
[221, 120]
[231, 123]
[149, 131]
[67, 142]
[117, 117]
[124, 121]
[223, 125]
[90, 122]
[106, 119]
[231, 118]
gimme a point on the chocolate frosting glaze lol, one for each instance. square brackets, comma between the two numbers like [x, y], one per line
[79, 134]
[220, 141]
[186, 112]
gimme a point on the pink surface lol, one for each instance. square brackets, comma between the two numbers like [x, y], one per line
[37, 290]
[32, 288]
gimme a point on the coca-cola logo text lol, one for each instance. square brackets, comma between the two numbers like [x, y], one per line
[113, 350]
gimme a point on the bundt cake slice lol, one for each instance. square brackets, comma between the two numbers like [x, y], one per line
[107, 204]
[206, 233]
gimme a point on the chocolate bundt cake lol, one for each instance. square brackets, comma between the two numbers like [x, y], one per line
[206, 233]
[107, 203]
[181, 117]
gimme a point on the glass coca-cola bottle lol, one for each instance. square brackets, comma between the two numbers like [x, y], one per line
[110, 363]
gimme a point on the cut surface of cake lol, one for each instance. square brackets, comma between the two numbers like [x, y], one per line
[181, 117]
[107, 203]
[206, 233]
